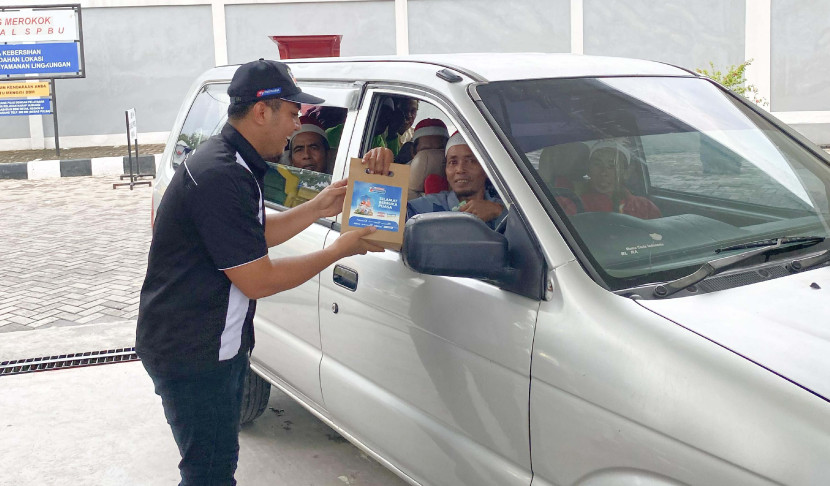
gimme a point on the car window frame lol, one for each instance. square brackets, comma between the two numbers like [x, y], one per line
[447, 108]
[202, 89]
[353, 93]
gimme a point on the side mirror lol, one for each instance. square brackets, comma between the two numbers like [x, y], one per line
[454, 245]
[180, 153]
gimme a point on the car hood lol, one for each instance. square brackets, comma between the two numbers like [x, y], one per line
[781, 324]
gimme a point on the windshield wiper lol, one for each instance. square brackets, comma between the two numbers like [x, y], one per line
[717, 266]
[809, 262]
[783, 240]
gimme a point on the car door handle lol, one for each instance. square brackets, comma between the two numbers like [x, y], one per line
[345, 277]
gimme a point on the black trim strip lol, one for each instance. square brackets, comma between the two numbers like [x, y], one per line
[69, 360]
[76, 168]
[16, 170]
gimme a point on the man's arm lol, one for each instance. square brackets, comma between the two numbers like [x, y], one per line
[284, 225]
[264, 277]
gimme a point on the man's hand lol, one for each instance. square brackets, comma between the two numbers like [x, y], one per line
[378, 160]
[263, 277]
[330, 200]
[351, 243]
[485, 210]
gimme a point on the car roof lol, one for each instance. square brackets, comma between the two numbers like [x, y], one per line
[507, 66]
[481, 67]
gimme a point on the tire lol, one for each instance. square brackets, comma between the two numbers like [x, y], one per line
[254, 397]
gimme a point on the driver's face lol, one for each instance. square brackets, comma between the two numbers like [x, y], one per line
[602, 169]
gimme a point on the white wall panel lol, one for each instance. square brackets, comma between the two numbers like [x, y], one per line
[368, 28]
[136, 57]
[800, 56]
[442, 26]
[680, 32]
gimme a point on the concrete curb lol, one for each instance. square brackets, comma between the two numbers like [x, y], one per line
[97, 166]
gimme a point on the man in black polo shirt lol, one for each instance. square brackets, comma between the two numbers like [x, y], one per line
[209, 261]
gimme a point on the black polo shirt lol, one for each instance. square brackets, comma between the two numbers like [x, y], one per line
[212, 217]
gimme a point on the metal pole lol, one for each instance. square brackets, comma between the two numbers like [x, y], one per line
[129, 149]
[137, 160]
[55, 118]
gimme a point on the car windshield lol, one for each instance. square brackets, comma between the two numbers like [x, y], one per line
[653, 176]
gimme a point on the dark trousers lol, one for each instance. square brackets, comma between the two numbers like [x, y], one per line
[203, 412]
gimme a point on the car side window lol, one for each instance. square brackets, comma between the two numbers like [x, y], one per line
[417, 131]
[205, 118]
[306, 164]
[391, 124]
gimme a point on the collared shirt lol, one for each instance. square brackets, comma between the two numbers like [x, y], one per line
[447, 201]
[211, 218]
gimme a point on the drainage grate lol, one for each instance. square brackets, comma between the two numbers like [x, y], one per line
[64, 361]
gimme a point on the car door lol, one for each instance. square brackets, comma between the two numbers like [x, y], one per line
[287, 324]
[430, 372]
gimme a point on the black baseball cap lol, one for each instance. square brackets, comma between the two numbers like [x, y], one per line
[266, 79]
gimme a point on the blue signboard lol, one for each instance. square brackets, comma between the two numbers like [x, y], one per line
[43, 59]
[15, 107]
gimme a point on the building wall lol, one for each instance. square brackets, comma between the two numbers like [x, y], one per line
[443, 26]
[680, 32]
[12, 127]
[138, 57]
[800, 55]
[145, 53]
[368, 28]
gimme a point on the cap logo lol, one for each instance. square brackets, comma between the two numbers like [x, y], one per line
[290, 74]
[268, 92]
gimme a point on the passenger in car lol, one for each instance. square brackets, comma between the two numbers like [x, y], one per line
[393, 124]
[327, 116]
[430, 133]
[607, 166]
[308, 147]
[429, 141]
[470, 190]
[406, 109]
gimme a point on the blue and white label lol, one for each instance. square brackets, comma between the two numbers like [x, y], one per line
[17, 107]
[375, 205]
[53, 58]
[268, 92]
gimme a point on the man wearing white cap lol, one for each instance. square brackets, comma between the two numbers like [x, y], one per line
[308, 146]
[468, 187]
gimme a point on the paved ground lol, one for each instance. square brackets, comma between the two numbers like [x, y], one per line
[72, 251]
[104, 426]
[75, 153]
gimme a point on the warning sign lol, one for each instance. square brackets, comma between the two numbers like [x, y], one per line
[40, 106]
[24, 90]
[38, 25]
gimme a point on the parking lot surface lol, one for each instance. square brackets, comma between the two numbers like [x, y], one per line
[73, 254]
[104, 426]
[73, 251]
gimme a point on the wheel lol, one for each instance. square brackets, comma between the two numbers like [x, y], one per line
[254, 397]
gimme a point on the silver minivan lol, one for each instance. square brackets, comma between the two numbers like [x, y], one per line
[676, 331]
